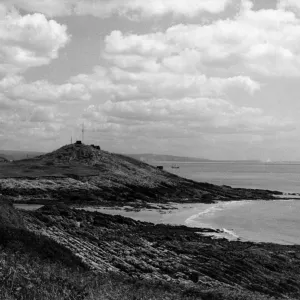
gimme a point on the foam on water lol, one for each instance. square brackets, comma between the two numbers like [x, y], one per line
[210, 211]
[230, 233]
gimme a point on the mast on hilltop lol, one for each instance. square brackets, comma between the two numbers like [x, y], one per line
[83, 132]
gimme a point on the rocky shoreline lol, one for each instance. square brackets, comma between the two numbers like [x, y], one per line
[174, 254]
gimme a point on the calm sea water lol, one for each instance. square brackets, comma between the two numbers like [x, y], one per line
[261, 221]
[283, 177]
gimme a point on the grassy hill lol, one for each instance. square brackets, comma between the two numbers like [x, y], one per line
[83, 174]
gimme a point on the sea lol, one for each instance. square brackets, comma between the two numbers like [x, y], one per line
[284, 177]
[260, 221]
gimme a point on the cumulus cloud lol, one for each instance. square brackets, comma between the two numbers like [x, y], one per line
[44, 91]
[28, 124]
[288, 4]
[5, 103]
[263, 42]
[16, 87]
[29, 40]
[129, 8]
[123, 85]
[186, 116]
[42, 114]
[165, 83]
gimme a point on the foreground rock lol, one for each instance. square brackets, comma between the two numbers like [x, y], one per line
[174, 254]
[84, 174]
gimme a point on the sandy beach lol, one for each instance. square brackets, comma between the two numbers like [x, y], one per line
[177, 214]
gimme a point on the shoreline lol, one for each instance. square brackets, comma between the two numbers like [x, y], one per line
[188, 214]
[177, 215]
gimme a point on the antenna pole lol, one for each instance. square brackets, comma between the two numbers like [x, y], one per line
[82, 132]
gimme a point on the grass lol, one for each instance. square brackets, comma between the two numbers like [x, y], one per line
[26, 276]
[33, 169]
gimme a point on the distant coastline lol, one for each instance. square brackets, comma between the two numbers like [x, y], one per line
[148, 158]
[19, 154]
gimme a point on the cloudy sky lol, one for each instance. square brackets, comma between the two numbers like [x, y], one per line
[218, 79]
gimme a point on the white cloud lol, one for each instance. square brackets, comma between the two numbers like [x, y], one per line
[5, 103]
[263, 42]
[149, 44]
[123, 85]
[186, 116]
[288, 4]
[28, 124]
[10, 81]
[165, 83]
[16, 87]
[29, 40]
[42, 114]
[129, 8]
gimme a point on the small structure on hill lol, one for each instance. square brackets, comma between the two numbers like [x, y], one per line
[78, 143]
[160, 167]
[95, 147]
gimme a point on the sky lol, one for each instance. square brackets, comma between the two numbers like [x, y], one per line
[216, 79]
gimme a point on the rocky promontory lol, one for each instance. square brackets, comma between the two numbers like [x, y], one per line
[82, 174]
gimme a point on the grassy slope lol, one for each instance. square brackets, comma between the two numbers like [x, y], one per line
[24, 276]
[93, 174]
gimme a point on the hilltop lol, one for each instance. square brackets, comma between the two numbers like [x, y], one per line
[84, 174]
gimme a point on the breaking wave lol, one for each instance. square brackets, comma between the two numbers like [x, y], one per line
[198, 219]
[230, 233]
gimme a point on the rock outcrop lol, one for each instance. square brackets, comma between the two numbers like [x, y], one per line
[174, 254]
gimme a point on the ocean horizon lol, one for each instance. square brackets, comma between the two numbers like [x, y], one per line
[284, 177]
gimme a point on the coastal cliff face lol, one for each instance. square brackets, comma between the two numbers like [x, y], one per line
[82, 174]
[175, 255]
